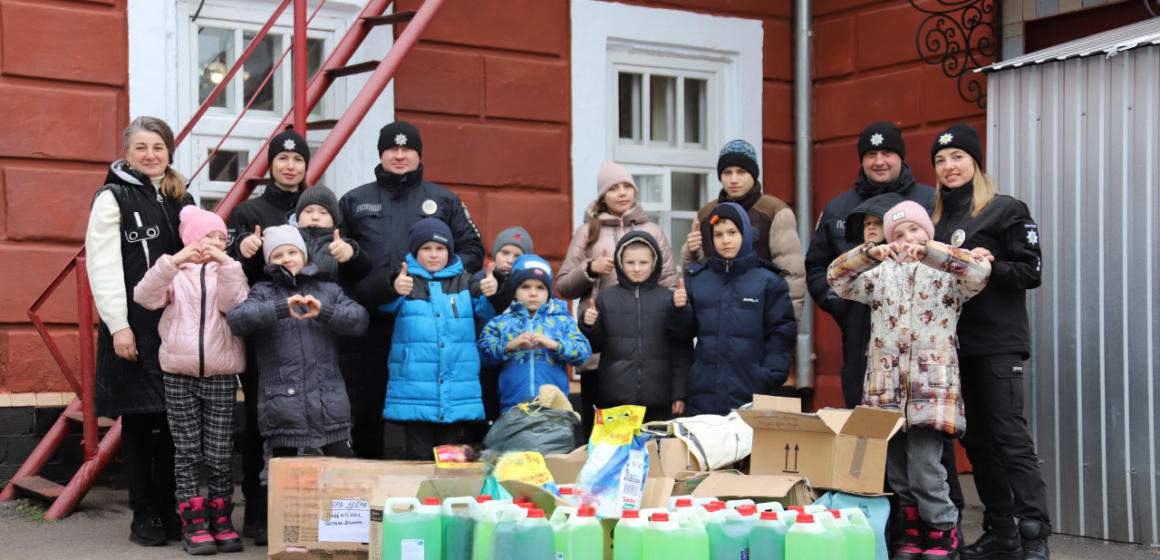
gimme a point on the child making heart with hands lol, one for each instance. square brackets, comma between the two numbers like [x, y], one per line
[199, 355]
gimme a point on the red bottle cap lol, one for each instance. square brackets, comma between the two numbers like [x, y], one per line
[798, 509]
[718, 504]
[805, 518]
[630, 514]
[566, 491]
[837, 514]
[527, 506]
[535, 513]
[684, 502]
[660, 517]
[747, 510]
[520, 501]
[586, 511]
[430, 501]
[482, 499]
[769, 515]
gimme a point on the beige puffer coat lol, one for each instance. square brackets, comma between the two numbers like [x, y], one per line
[572, 282]
[185, 337]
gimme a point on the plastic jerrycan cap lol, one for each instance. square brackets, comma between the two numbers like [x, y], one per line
[567, 491]
[430, 501]
[805, 518]
[586, 511]
[747, 510]
[483, 498]
[533, 513]
[684, 502]
[527, 506]
[798, 509]
[520, 501]
[629, 514]
[660, 517]
[769, 515]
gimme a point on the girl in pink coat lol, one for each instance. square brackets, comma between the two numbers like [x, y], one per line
[200, 356]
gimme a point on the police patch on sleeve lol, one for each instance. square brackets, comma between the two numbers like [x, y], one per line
[467, 214]
[1032, 234]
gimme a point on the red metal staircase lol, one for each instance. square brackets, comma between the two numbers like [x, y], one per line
[100, 450]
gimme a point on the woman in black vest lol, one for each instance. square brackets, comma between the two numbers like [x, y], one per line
[134, 221]
[994, 341]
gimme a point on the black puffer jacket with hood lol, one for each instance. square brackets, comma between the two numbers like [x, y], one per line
[302, 400]
[642, 362]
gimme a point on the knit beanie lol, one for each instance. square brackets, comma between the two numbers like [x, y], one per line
[882, 135]
[431, 229]
[907, 211]
[531, 266]
[197, 223]
[288, 141]
[611, 174]
[961, 136]
[725, 212]
[741, 154]
[323, 197]
[517, 236]
[400, 133]
[278, 236]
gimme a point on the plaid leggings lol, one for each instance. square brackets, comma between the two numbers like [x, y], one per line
[201, 418]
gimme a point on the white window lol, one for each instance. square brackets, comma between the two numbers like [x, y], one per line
[660, 91]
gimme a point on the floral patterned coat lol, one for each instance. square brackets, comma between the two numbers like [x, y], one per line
[913, 366]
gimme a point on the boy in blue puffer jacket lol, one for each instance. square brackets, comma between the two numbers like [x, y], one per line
[535, 339]
[738, 308]
[434, 383]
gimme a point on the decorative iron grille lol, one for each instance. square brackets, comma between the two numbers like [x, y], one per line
[960, 36]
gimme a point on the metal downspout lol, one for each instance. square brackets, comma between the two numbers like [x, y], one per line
[803, 152]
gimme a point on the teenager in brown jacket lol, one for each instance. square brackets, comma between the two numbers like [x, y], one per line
[777, 239]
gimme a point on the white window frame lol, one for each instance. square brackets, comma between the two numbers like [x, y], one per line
[162, 61]
[608, 36]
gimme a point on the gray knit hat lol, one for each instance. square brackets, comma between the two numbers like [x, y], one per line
[517, 236]
[323, 197]
[278, 236]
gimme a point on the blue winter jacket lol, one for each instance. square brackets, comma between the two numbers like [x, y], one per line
[741, 314]
[433, 362]
[524, 371]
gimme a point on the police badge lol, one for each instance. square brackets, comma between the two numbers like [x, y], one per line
[429, 207]
[958, 237]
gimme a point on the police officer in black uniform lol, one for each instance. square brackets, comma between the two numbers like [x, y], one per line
[994, 340]
[379, 216]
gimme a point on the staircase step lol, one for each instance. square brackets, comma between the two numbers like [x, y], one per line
[321, 125]
[389, 19]
[368, 66]
[39, 486]
[79, 417]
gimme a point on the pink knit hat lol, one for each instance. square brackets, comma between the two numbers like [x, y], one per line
[907, 211]
[197, 223]
[611, 174]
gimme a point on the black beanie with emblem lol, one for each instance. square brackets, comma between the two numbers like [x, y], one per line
[882, 135]
[400, 133]
[288, 141]
[962, 136]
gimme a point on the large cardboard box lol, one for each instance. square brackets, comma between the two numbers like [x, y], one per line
[305, 492]
[669, 456]
[834, 448]
[788, 490]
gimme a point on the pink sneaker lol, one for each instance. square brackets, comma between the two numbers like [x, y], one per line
[913, 541]
[941, 545]
[220, 524]
[195, 536]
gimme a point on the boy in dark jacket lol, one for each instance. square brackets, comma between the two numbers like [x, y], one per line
[340, 259]
[642, 363]
[434, 384]
[302, 400]
[738, 308]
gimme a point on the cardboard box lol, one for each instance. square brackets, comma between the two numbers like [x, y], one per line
[788, 490]
[835, 448]
[566, 467]
[303, 491]
[669, 456]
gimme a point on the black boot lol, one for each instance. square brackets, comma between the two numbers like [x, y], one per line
[146, 529]
[261, 536]
[1034, 536]
[912, 543]
[1000, 541]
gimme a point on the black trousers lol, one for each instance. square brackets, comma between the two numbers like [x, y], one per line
[253, 444]
[424, 437]
[997, 441]
[363, 363]
[149, 461]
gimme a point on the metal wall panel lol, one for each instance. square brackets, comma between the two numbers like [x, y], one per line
[1078, 141]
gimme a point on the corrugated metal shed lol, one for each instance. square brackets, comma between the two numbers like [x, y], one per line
[1075, 132]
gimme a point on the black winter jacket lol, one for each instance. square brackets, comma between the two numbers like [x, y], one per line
[148, 230]
[830, 235]
[302, 400]
[379, 216]
[347, 274]
[995, 321]
[741, 314]
[642, 363]
[273, 208]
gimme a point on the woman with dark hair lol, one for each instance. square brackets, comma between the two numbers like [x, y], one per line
[994, 338]
[133, 221]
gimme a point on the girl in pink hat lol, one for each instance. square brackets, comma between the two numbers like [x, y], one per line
[200, 356]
